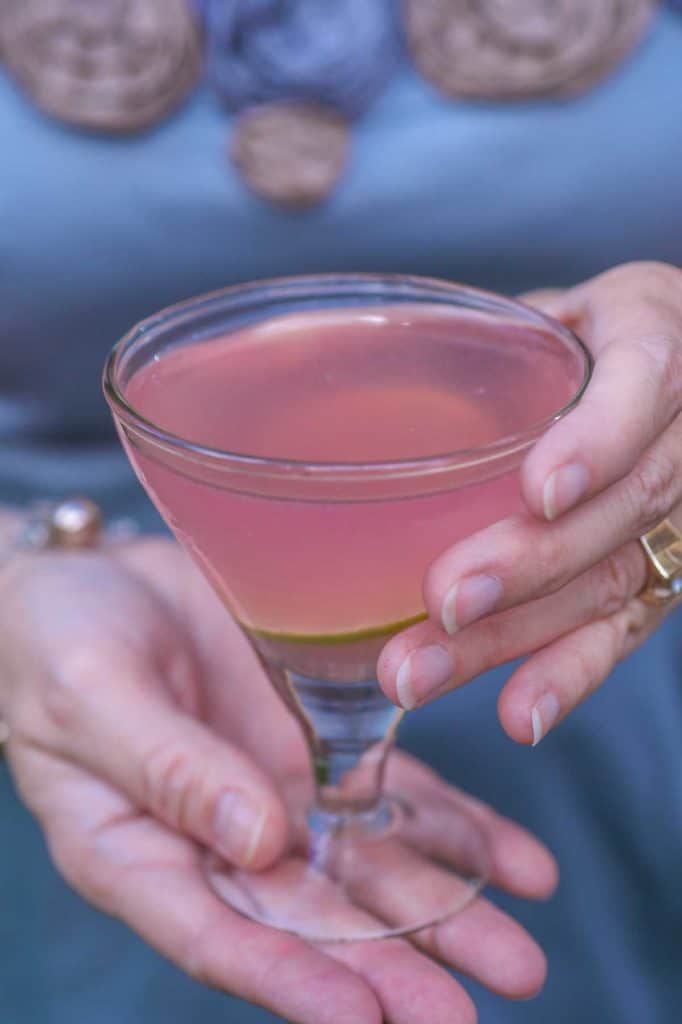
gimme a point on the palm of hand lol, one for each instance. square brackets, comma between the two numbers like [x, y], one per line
[134, 702]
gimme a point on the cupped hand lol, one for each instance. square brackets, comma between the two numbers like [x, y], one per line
[143, 731]
[560, 583]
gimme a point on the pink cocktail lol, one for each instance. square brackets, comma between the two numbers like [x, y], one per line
[315, 444]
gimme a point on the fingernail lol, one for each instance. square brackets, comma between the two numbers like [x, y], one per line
[564, 489]
[543, 716]
[238, 826]
[468, 600]
[422, 671]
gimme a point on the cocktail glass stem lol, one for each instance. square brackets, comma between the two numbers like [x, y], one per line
[349, 729]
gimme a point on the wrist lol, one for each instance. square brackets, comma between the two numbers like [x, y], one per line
[11, 527]
[70, 524]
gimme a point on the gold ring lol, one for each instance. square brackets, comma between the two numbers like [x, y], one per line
[663, 550]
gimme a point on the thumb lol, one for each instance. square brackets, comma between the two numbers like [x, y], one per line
[114, 716]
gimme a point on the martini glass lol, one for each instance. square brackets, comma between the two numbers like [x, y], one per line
[314, 443]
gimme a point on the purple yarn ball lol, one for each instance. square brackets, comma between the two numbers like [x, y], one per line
[340, 52]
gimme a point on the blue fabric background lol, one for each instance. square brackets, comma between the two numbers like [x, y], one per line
[96, 232]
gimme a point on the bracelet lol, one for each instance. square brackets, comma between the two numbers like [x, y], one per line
[74, 524]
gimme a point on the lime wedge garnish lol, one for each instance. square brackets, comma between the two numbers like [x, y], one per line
[336, 638]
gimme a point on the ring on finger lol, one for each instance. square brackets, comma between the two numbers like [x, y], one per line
[663, 549]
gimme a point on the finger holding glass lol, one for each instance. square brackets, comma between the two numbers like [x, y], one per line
[564, 579]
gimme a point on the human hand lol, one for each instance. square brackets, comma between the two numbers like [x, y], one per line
[560, 583]
[143, 730]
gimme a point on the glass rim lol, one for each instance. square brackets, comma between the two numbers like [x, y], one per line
[301, 286]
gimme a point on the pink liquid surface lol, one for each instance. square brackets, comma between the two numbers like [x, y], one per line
[344, 386]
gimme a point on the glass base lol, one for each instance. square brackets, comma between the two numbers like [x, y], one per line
[390, 871]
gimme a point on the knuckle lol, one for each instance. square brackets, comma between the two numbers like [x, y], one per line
[616, 580]
[65, 688]
[615, 633]
[181, 684]
[513, 549]
[663, 351]
[492, 642]
[590, 664]
[581, 672]
[672, 372]
[650, 490]
[537, 556]
[636, 619]
[614, 629]
[171, 784]
[552, 558]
